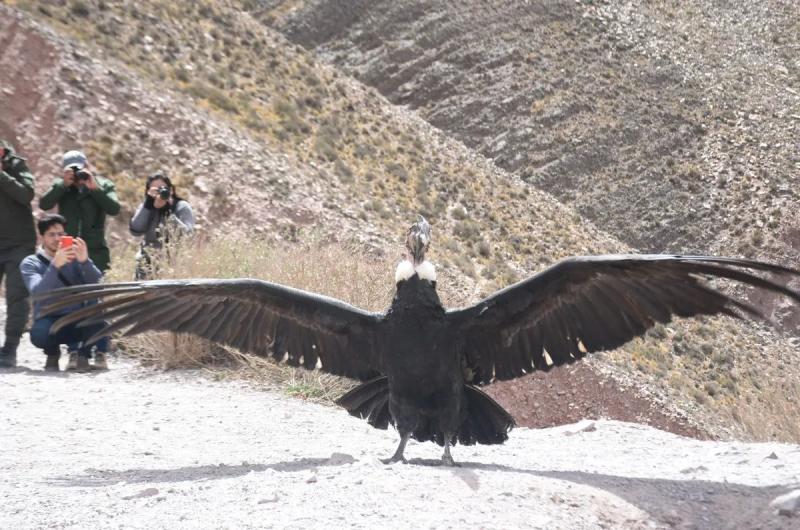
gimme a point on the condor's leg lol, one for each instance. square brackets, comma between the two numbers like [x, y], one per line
[398, 455]
[406, 417]
[447, 460]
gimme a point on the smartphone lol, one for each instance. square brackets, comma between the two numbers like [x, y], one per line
[66, 241]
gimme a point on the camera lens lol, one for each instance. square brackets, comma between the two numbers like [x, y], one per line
[163, 192]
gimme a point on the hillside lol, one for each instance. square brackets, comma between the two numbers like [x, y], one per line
[671, 126]
[266, 139]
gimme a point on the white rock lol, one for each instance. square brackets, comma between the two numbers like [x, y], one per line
[788, 504]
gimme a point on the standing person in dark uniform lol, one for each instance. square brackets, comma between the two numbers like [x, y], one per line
[17, 240]
[84, 200]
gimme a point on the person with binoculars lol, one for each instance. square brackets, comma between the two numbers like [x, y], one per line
[84, 199]
[162, 218]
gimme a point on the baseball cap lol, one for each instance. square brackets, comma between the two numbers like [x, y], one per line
[74, 158]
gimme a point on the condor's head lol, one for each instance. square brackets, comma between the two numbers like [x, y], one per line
[418, 239]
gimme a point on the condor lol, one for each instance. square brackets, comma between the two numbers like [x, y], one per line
[420, 363]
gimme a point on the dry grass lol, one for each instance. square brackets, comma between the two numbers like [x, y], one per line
[334, 270]
[777, 417]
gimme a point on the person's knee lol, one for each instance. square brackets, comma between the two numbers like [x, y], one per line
[40, 333]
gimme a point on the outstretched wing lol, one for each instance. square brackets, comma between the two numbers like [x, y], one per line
[587, 304]
[252, 315]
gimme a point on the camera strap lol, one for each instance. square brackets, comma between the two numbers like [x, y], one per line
[61, 277]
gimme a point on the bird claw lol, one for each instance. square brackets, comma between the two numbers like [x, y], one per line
[447, 460]
[394, 459]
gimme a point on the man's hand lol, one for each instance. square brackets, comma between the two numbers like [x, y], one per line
[69, 178]
[90, 183]
[81, 250]
[64, 256]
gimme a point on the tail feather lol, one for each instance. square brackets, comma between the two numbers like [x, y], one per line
[369, 401]
[485, 421]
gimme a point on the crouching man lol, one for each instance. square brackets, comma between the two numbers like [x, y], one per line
[62, 261]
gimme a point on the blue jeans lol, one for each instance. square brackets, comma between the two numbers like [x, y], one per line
[71, 335]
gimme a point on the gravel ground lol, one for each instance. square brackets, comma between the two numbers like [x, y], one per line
[135, 448]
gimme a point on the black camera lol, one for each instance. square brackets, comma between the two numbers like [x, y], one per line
[81, 175]
[164, 193]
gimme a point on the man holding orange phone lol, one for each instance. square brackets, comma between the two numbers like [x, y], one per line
[62, 261]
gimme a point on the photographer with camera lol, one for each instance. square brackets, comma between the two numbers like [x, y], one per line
[84, 200]
[162, 216]
[17, 240]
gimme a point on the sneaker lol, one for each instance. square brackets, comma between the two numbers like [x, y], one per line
[51, 365]
[82, 364]
[100, 362]
[72, 364]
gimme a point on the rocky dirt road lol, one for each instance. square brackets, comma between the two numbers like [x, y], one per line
[134, 448]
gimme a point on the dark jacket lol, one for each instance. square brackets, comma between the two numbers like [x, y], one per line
[16, 194]
[85, 212]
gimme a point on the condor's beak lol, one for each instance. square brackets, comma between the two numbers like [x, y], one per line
[418, 239]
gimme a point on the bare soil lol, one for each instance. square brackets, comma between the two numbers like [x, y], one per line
[575, 392]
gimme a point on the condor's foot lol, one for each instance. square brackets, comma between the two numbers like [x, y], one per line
[447, 460]
[398, 455]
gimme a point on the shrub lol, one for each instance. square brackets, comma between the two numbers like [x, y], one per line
[213, 95]
[79, 8]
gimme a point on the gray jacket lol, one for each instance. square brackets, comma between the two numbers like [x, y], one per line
[151, 223]
[41, 276]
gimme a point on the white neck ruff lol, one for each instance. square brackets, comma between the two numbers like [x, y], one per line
[405, 270]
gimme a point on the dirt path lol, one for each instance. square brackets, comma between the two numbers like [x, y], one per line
[133, 448]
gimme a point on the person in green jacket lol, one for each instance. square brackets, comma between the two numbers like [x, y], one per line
[17, 239]
[84, 200]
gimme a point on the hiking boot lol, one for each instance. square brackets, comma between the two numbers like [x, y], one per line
[72, 364]
[51, 364]
[8, 361]
[82, 364]
[8, 357]
[100, 362]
